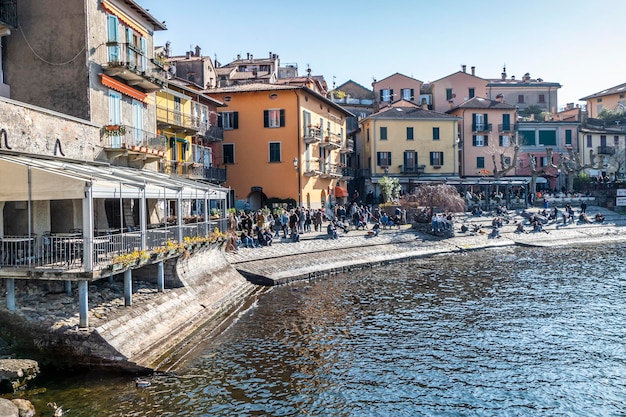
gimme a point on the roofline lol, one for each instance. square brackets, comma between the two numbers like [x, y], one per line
[398, 73]
[352, 81]
[458, 72]
[525, 84]
[158, 25]
[199, 93]
[594, 95]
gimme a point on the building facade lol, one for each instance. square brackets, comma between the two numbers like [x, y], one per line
[409, 143]
[613, 98]
[454, 89]
[525, 92]
[282, 143]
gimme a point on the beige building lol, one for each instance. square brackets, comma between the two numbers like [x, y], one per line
[409, 143]
[613, 98]
[524, 92]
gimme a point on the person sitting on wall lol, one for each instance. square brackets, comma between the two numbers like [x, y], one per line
[375, 230]
[599, 218]
[331, 231]
[247, 240]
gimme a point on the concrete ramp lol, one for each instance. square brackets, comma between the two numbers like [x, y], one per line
[150, 336]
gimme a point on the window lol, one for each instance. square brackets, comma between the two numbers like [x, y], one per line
[410, 161]
[547, 137]
[480, 140]
[436, 159]
[599, 100]
[520, 98]
[383, 133]
[435, 133]
[115, 116]
[228, 150]
[480, 122]
[471, 93]
[603, 140]
[407, 94]
[137, 122]
[589, 141]
[386, 94]
[368, 134]
[505, 140]
[449, 94]
[527, 138]
[506, 122]
[568, 137]
[409, 133]
[274, 152]
[228, 120]
[274, 118]
[384, 159]
[480, 162]
[543, 161]
[113, 38]
[542, 98]
[616, 140]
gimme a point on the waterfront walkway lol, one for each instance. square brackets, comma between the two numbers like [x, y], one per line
[317, 255]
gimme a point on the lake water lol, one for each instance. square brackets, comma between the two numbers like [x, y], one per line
[506, 332]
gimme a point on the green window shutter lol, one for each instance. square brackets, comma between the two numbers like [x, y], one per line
[383, 133]
[485, 120]
[527, 137]
[480, 162]
[471, 93]
[219, 120]
[409, 133]
[500, 140]
[435, 133]
[474, 140]
[282, 118]
[568, 137]
[381, 99]
[506, 122]
[547, 137]
[266, 118]
[485, 140]
[412, 94]
[235, 120]
[391, 95]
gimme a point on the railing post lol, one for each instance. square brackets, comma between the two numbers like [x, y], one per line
[82, 303]
[128, 287]
[10, 286]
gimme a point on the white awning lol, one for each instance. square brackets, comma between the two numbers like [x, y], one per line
[54, 179]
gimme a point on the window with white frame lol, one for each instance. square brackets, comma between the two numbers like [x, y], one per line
[479, 140]
[274, 118]
[436, 159]
[408, 94]
[229, 120]
[386, 94]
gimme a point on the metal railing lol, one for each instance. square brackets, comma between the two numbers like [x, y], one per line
[511, 127]
[130, 57]
[65, 251]
[481, 127]
[606, 150]
[193, 170]
[127, 136]
[8, 13]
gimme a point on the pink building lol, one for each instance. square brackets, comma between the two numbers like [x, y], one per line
[397, 87]
[457, 88]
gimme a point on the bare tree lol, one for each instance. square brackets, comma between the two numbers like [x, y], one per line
[506, 163]
[572, 165]
[536, 172]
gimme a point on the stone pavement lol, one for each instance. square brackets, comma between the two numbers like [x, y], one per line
[316, 255]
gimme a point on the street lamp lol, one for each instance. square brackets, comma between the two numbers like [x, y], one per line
[296, 166]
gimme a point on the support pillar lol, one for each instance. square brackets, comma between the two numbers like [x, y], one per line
[160, 277]
[128, 287]
[68, 287]
[10, 284]
[83, 297]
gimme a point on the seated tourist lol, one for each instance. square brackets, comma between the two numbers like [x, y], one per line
[520, 228]
[331, 231]
[599, 218]
[246, 239]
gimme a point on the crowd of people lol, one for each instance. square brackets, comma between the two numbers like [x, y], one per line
[258, 228]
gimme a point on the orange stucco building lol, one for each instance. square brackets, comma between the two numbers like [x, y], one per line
[282, 142]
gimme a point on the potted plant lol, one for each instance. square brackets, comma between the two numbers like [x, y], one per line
[114, 130]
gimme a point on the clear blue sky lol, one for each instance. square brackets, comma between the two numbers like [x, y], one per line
[577, 43]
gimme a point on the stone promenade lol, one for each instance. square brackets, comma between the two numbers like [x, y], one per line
[316, 255]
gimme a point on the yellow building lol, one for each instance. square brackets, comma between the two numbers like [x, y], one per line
[284, 143]
[188, 119]
[409, 143]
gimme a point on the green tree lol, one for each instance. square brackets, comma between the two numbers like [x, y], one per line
[389, 188]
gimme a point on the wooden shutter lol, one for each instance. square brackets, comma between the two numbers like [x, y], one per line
[485, 140]
[381, 95]
[235, 120]
[219, 120]
[266, 118]
[282, 117]
[474, 140]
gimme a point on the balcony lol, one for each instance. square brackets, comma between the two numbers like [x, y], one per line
[312, 134]
[347, 174]
[312, 168]
[193, 170]
[128, 62]
[170, 119]
[8, 14]
[510, 127]
[349, 146]
[122, 140]
[412, 169]
[212, 134]
[481, 127]
[606, 150]
[331, 141]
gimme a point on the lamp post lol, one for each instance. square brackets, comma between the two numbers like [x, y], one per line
[296, 165]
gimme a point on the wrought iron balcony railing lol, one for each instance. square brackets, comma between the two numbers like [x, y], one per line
[8, 13]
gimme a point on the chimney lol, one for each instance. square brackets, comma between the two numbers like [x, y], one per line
[251, 58]
[248, 55]
[198, 50]
[464, 67]
[526, 77]
[513, 77]
[425, 104]
[503, 73]
[473, 70]
[500, 98]
[188, 54]
[238, 57]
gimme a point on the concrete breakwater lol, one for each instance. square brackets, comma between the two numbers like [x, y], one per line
[203, 290]
[200, 291]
